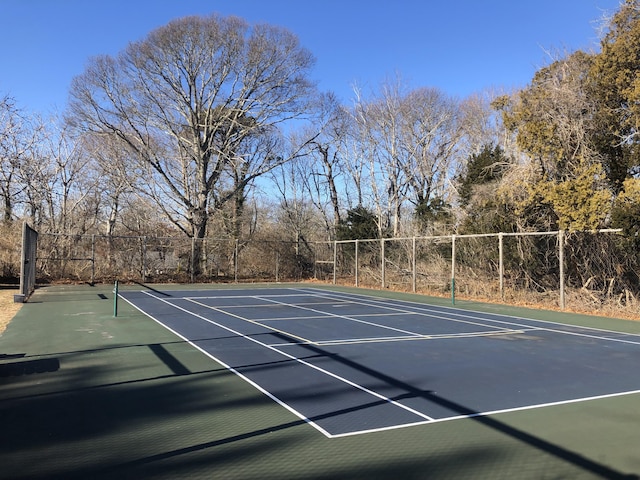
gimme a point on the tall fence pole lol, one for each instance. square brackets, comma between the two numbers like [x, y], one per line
[501, 263]
[561, 260]
[356, 269]
[193, 258]
[143, 255]
[235, 262]
[453, 269]
[93, 260]
[414, 272]
[383, 271]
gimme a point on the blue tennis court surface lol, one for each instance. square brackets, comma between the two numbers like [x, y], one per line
[350, 363]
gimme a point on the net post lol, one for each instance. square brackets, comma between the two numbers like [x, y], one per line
[115, 299]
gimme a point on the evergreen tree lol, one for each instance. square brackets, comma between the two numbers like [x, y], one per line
[359, 224]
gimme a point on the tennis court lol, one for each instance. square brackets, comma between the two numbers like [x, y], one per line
[350, 364]
[303, 381]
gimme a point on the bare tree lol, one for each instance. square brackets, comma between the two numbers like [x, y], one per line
[70, 182]
[431, 134]
[19, 137]
[379, 133]
[111, 160]
[187, 99]
[409, 139]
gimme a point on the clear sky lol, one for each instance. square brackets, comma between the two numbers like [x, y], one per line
[458, 46]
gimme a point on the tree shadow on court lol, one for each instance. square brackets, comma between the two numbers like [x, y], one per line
[156, 408]
[195, 426]
[533, 441]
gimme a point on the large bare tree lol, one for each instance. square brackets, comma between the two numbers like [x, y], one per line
[19, 136]
[187, 99]
[410, 137]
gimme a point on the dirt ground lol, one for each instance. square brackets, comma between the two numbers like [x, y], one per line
[8, 308]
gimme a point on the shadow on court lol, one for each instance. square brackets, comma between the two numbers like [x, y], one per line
[528, 439]
[29, 367]
[122, 398]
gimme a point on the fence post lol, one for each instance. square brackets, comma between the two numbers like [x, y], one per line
[143, 254]
[501, 263]
[453, 269]
[193, 258]
[93, 260]
[356, 270]
[414, 272]
[561, 260]
[384, 261]
[335, 259]
[235, 262]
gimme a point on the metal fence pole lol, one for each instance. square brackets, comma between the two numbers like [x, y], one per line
[335, 260]
[453, 269]
[501, 263]
[414, 272]
[356, 270]
[144, 259]
[193, 259]
[383, 267]
[561, 260]
[235, 262]
[93, 259]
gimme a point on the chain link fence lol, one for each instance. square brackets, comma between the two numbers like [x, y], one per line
[99, 259]
[597, 272]
[582, 271]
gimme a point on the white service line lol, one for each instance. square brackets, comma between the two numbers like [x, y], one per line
[384, 303]
[225, 365]
[346, 317]
[493, 412]
[291, 357]
[427, 419]
[421, 308]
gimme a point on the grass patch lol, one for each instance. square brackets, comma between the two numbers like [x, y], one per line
[8, 308]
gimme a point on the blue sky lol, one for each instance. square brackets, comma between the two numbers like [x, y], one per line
[458, 46]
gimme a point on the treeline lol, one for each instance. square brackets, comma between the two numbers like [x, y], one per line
[212, 128]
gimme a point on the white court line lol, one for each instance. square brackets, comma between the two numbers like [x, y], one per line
[385, 305]
[350, 341]
[225, 365]
[336, 303]
[427, 419]
[420, 307]
[491, 412]
[350, 318]
[328, 315]
[394, 310]
[254, 322]
[442, 336]
[291, 357]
